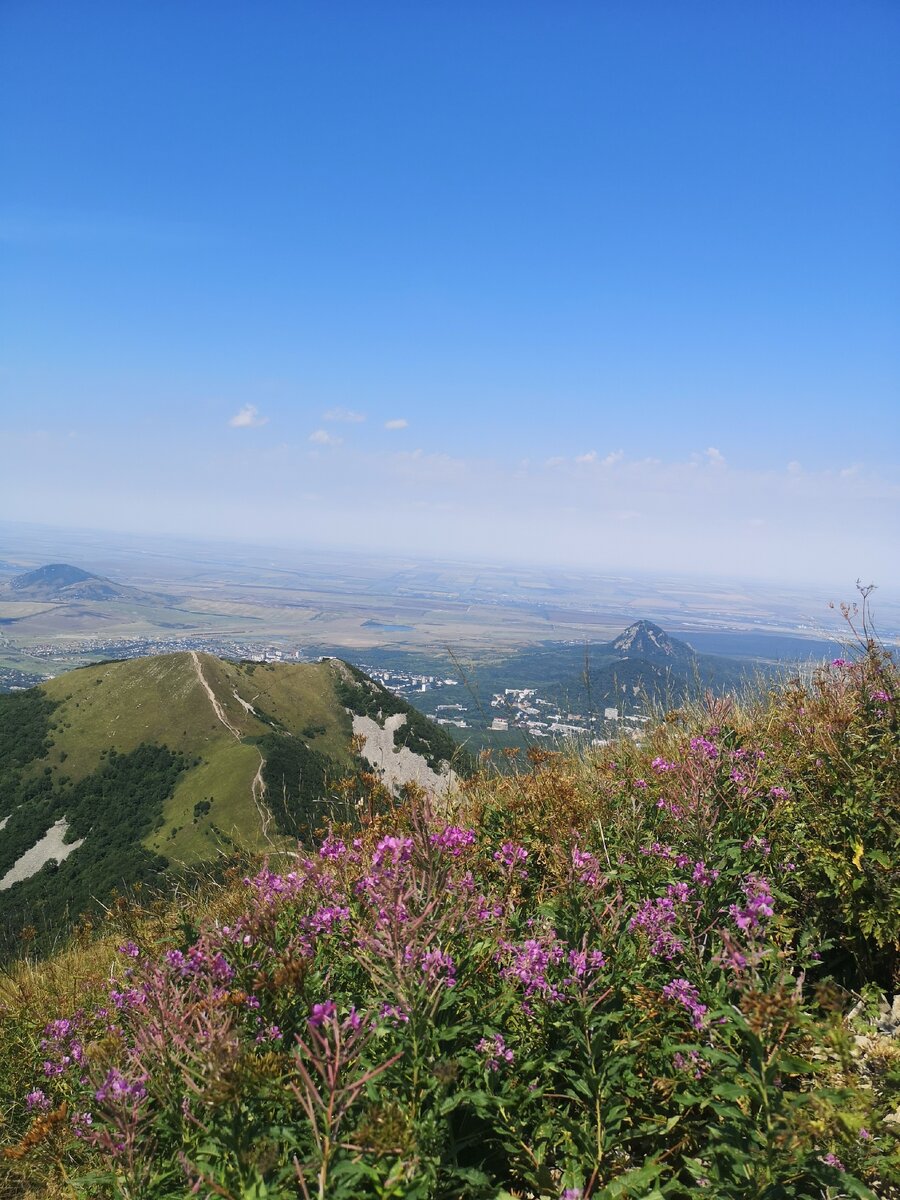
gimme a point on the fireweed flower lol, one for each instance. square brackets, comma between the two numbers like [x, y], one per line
[332, 848]
[453, 839]
[495, 1052]
[392, 1012]
[683, 992]
[438, 966]
[586, 865]
[656, 918]
[702, 875]
[585, 963]
[321, 1013]
[392, 852]
[529, 964]
[757, 843]
[116, 1087]
[511, 856]
[661, 765]
[705, 747]
[759, 905]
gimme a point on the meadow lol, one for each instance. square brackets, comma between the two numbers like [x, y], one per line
[655, 970]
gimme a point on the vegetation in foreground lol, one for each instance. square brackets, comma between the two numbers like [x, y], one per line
[642, 971]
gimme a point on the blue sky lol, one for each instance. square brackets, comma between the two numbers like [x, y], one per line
[612, 283]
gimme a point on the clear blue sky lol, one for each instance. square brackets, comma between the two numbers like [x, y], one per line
[622, 279]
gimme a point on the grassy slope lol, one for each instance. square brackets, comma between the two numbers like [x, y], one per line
[160, 699]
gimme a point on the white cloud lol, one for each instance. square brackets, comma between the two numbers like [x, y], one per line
[322, 437]
[247, 418]
[714, 457]
[590, 457]
[612, 458]
[396, 423]
[345, 415]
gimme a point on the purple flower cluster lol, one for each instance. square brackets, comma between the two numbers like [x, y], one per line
[683, 992]
[117, 1088]
[530, 963]
[758, 907]
[495, 1052]
[453, 839]
[587, 866]
[511, 856]
[704, 748]
[657, 918]
[662, 766]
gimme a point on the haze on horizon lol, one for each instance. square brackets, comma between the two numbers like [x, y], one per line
[608, 284]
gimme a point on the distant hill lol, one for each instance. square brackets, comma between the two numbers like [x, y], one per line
[643, 667]
[61, 582]
[126, 771]
[644, 640]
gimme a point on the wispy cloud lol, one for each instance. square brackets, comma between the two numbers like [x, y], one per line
[396, 423]
[321, 437]
[344, 415]
[248, 418]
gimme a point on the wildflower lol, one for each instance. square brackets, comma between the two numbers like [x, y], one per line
[453, 839]
[81, 1124]
[661, 765]
[117, 1087]
[757, 843]
[656, 918]
[495, 1051]
[58, 1030]
[37, 1100]
[353, 1020]
[510, 855]
[582, 963]
[778, 793]
[686, 994]
[130, 950]
[530, 963]
[832, 1160]
[640, 784]
[332, 848]
[702, 875]
[880, 695]
[864, 1135]
[586, 864]
[321, 1013]
[396, 851]
[759, 904]
[391, 1012]
[669, 806]
[704, 746]
[436, 964]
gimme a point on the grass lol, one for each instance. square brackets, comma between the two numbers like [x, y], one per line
[121, 704]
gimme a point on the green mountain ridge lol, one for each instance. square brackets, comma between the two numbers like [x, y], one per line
[160, 764]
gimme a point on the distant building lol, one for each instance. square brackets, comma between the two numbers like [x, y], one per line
[500, 724]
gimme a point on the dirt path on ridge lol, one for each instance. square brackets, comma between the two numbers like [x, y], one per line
[258, 786]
